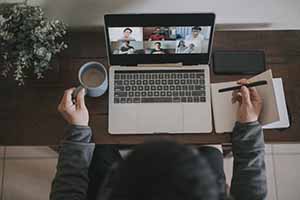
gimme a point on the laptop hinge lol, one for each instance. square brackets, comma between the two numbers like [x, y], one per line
[161, 65]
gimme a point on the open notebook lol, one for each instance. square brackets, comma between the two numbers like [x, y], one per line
[274, 112]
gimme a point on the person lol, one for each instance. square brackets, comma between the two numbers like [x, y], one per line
[126, 48]
[160, 170]
[181, 48]
[196, 38]
[156, 35]
[190, 48]
[157, 49]
[127, 35]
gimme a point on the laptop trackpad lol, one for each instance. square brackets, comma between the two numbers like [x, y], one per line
[159, 118]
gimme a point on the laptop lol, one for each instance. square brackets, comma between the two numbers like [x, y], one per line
[159, 74]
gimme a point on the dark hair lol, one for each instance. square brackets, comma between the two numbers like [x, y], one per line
[164, 170]
[181, 41]
[157, 43]
[127, 29]
[198, 28]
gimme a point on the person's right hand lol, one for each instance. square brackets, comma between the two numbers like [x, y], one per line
[250, 103]
[75, 113]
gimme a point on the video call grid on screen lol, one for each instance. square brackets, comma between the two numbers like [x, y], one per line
[159, 38]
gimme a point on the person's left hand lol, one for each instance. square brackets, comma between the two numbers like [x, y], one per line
[76, 114]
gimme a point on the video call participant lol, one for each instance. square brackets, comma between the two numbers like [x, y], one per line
[181, 48]
[157, 49]
[157, 35]
[127, 35]
[126, 48]
[196, 38]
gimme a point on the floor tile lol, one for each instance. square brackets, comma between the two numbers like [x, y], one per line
[287, 176]
[270, 177]
[28, 178]
[228, 167]
[286, 148]
[30, 152]
[268, 148]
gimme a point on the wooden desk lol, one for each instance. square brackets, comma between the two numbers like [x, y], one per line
[28, 115]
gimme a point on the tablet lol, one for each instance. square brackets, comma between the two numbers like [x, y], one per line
[239, 62]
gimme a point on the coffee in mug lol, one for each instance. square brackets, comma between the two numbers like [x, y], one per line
[92, 77]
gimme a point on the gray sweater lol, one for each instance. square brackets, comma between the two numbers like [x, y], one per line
[249, 172]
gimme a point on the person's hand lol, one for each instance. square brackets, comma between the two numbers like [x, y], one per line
[250, 103]
[76, 114]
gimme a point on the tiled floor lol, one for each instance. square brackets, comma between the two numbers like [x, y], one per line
[27, 172]
[287, 176]
[286, 162]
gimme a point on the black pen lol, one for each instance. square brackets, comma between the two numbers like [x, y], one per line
[254, 84]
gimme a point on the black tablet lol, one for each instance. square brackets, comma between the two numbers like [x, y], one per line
[134, 39]
[239, 61]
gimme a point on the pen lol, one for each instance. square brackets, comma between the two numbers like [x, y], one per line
[254, 84]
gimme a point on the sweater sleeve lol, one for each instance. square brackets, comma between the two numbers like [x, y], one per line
[249, 171]
[71, 179]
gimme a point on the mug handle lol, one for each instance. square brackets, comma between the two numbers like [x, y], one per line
[75, 93]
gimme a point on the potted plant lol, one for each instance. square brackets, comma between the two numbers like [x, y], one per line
[28, 41]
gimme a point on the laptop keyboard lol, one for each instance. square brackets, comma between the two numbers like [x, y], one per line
[159, 86]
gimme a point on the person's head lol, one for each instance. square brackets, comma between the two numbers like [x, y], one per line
[127, 32]
[157, 30]
[164, 170]
[157, 45]
[196, 30]
[181, 43]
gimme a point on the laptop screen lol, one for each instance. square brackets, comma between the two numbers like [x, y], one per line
[159, 38]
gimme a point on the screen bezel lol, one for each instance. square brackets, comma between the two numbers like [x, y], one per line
[149, 20]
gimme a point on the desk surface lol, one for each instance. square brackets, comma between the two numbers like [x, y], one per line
[28, 114]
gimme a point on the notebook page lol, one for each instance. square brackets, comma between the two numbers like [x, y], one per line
[284, 121]
[224, 112]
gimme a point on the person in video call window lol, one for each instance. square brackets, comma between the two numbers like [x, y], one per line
[190, 48]
[196, 38]
[161, 170]
[181, 48]
[126, 48]
[127, 35]
[156, 35]
[157, 49]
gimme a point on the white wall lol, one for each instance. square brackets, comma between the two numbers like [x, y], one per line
[255, 14]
